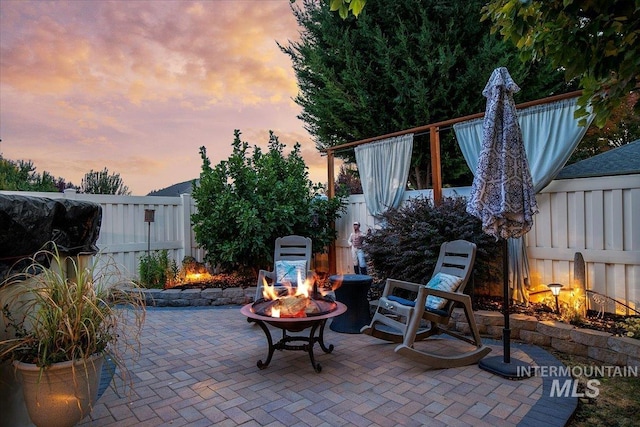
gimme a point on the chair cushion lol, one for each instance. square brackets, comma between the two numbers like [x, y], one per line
[413, 304]
[287, 271]
[401, 300]
[443, 282]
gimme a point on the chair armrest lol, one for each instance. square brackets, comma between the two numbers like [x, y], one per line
[399, 284]
[311, 274]
[264, 274]
[395, 307]
[424, 292]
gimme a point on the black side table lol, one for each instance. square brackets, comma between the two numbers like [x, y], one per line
[351, 290]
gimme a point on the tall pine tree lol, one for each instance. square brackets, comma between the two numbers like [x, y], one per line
[400, 65]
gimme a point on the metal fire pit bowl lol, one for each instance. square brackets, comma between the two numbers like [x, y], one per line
[323, 305]
[294, 324]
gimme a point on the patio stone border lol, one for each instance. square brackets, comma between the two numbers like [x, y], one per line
[601, 346]
[197, 297]
[597, 345]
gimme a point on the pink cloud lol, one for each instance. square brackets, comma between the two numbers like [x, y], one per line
[139, 86]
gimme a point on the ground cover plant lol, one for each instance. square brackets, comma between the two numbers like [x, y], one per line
[617, 403]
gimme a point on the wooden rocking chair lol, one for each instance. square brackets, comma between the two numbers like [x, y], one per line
[400, 320]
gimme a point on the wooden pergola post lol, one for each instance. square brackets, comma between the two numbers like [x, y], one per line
[331, 192]
[436, 167]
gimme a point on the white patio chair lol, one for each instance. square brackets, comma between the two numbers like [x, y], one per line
[292, 255]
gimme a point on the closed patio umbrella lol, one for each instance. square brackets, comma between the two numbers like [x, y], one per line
[502, 195]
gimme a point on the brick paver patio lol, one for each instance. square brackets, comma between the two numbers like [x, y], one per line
[198, 368]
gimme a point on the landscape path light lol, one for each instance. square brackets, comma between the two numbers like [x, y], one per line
[555, 290]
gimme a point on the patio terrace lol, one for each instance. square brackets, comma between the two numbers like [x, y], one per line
[198, 368]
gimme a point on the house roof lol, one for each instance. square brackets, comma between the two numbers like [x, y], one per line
[174, 190]
[624, 160]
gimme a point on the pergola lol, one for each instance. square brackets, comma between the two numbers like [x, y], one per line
[434, 139]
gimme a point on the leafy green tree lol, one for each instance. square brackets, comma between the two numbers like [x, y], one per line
[344, 7]
[21, 175]
[400, 65]
[622, 128]
[103, 182]
[595, 41]
[250, 199]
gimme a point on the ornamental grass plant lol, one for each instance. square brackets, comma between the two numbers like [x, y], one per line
[63, 308]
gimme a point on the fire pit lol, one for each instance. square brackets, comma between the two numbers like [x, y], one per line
[293, 312]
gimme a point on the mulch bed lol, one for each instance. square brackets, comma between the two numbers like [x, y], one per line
[607, 322]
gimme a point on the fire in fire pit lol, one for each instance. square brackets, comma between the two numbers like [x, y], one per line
[289, 301]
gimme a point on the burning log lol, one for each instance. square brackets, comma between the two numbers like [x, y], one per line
[290, 302]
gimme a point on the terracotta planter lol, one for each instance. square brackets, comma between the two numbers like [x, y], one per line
[62, 394]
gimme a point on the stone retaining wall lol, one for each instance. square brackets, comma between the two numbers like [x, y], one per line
[197, 297]
[601, 346]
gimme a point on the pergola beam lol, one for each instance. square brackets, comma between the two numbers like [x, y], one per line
[434, 138]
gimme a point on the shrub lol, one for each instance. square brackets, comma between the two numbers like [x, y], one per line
[407, 247]
[632, 327]
[250, 199]
[156, 269]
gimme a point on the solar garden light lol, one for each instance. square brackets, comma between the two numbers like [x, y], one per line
[555, 290]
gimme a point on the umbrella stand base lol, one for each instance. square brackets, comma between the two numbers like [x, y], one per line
[514, 370]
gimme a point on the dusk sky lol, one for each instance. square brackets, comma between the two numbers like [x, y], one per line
[139, 86]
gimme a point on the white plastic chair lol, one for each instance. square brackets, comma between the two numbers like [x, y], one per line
[288, 248]
[400, 320]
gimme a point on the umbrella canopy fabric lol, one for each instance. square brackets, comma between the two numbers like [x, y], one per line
[502, 195]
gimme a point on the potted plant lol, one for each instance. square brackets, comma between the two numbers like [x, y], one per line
[64, 317]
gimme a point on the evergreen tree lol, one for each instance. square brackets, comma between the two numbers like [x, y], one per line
[400, 65]
[348, 180]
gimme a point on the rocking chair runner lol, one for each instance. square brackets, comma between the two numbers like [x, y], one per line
[292, 254]
[399, 320]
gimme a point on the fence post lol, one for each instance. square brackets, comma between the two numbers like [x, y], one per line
[186, 223]
[70, 193]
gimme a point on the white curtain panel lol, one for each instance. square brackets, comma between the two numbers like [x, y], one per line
[384, 170]
[550, 134]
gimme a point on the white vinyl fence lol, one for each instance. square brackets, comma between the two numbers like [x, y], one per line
[598, 217]
[124, 234]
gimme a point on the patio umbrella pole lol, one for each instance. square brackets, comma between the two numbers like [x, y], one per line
[505, 366]
[506, 331]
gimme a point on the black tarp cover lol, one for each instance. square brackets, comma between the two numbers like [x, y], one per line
[28, 223]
